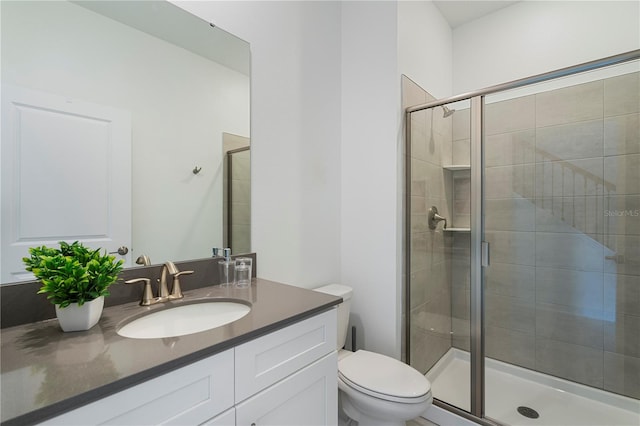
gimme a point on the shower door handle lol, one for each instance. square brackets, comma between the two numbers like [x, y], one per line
[484, 253]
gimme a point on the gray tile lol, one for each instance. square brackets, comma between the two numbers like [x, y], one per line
[461, 124]
[570, 214]
[460, 304]
[461, 151]
[461, 342]
[622, 254]
[623, 335]
[505, 149]
[511, 280]
[419, 177]
[622, 214]
[510, 313]
[578, 289]
[623, 173]
[241, 214]
[571, 251]
[622, 293]
[418, 287]
[577, 363]
[412, 93]
[433, 316]
[575, 178]
[421, 140]
[510, 115]
[584, 139]
[510, 181]
[579, 326]
[511, 346]
[571, 104]
[418, 256]
[427, 348]
[622, 94]
[512, 247]
[241, 191]
[511, 214]
[622, 374]
[622, 135]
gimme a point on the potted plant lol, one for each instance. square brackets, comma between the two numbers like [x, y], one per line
[75, 279]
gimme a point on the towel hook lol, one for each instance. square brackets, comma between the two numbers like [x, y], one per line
[196, 170]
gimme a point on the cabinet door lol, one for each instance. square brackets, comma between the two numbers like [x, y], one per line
[270, 358]
[186, 396]
[308, 397]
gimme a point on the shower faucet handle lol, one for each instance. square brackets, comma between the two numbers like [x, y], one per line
[434, 218]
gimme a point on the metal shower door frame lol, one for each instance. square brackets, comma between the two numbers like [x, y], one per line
[479, 248]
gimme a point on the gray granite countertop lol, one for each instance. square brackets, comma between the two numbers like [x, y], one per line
[46, 372]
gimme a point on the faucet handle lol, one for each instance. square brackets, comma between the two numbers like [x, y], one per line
[147, 294]
[176, 291]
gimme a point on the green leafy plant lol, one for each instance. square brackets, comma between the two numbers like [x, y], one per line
[73, 273]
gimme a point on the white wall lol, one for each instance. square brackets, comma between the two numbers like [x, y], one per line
[295, 133]
[326, 127]
[533, 37]
[369, 215]
[425, 47]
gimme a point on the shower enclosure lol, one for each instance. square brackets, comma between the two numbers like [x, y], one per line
[237, 193]
[525, 302]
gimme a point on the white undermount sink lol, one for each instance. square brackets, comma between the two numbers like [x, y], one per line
[184, 319]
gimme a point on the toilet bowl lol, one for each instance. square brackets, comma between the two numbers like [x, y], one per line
[375, 389]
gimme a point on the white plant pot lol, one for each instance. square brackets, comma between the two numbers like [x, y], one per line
[80, 318]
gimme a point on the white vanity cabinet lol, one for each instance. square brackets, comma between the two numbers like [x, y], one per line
[188, 395]
[287, 377]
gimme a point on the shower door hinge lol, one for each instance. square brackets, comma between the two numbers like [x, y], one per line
[484, 253]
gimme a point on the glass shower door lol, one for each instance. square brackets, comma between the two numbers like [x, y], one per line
[438, 246]
[561, 200]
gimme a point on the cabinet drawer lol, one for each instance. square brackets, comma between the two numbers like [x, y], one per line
[189, 395]
[267, 359]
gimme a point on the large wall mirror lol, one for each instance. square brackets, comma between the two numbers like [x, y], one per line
[116, 120]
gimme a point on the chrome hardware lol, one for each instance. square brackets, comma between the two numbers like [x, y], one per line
[484, 253]
[143, 259]
[163, 291]
[216, 252]
[196, 170]
[434, 218]
[176, 291]
[121, 251]
[147, 294]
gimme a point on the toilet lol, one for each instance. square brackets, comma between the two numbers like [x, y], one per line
[375, 389]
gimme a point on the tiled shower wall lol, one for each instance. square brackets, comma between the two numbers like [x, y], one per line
[563, 220]
[429, 282]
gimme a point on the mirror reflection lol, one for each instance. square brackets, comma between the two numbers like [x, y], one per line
[114, 120]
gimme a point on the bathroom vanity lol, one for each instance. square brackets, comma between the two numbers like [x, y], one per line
[275, 365]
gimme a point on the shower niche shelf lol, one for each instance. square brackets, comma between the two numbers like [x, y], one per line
[456, 167]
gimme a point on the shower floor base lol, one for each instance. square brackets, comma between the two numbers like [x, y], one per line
[556, 401]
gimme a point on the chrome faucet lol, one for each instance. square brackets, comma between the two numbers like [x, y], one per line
[163, 289]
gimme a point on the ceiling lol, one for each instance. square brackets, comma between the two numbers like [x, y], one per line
[458, 12]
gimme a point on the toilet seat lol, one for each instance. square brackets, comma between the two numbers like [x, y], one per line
[383, 377]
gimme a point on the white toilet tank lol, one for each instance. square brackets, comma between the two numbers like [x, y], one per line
[343, 309]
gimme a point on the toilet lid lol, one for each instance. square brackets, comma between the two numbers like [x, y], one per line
[382, 376]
